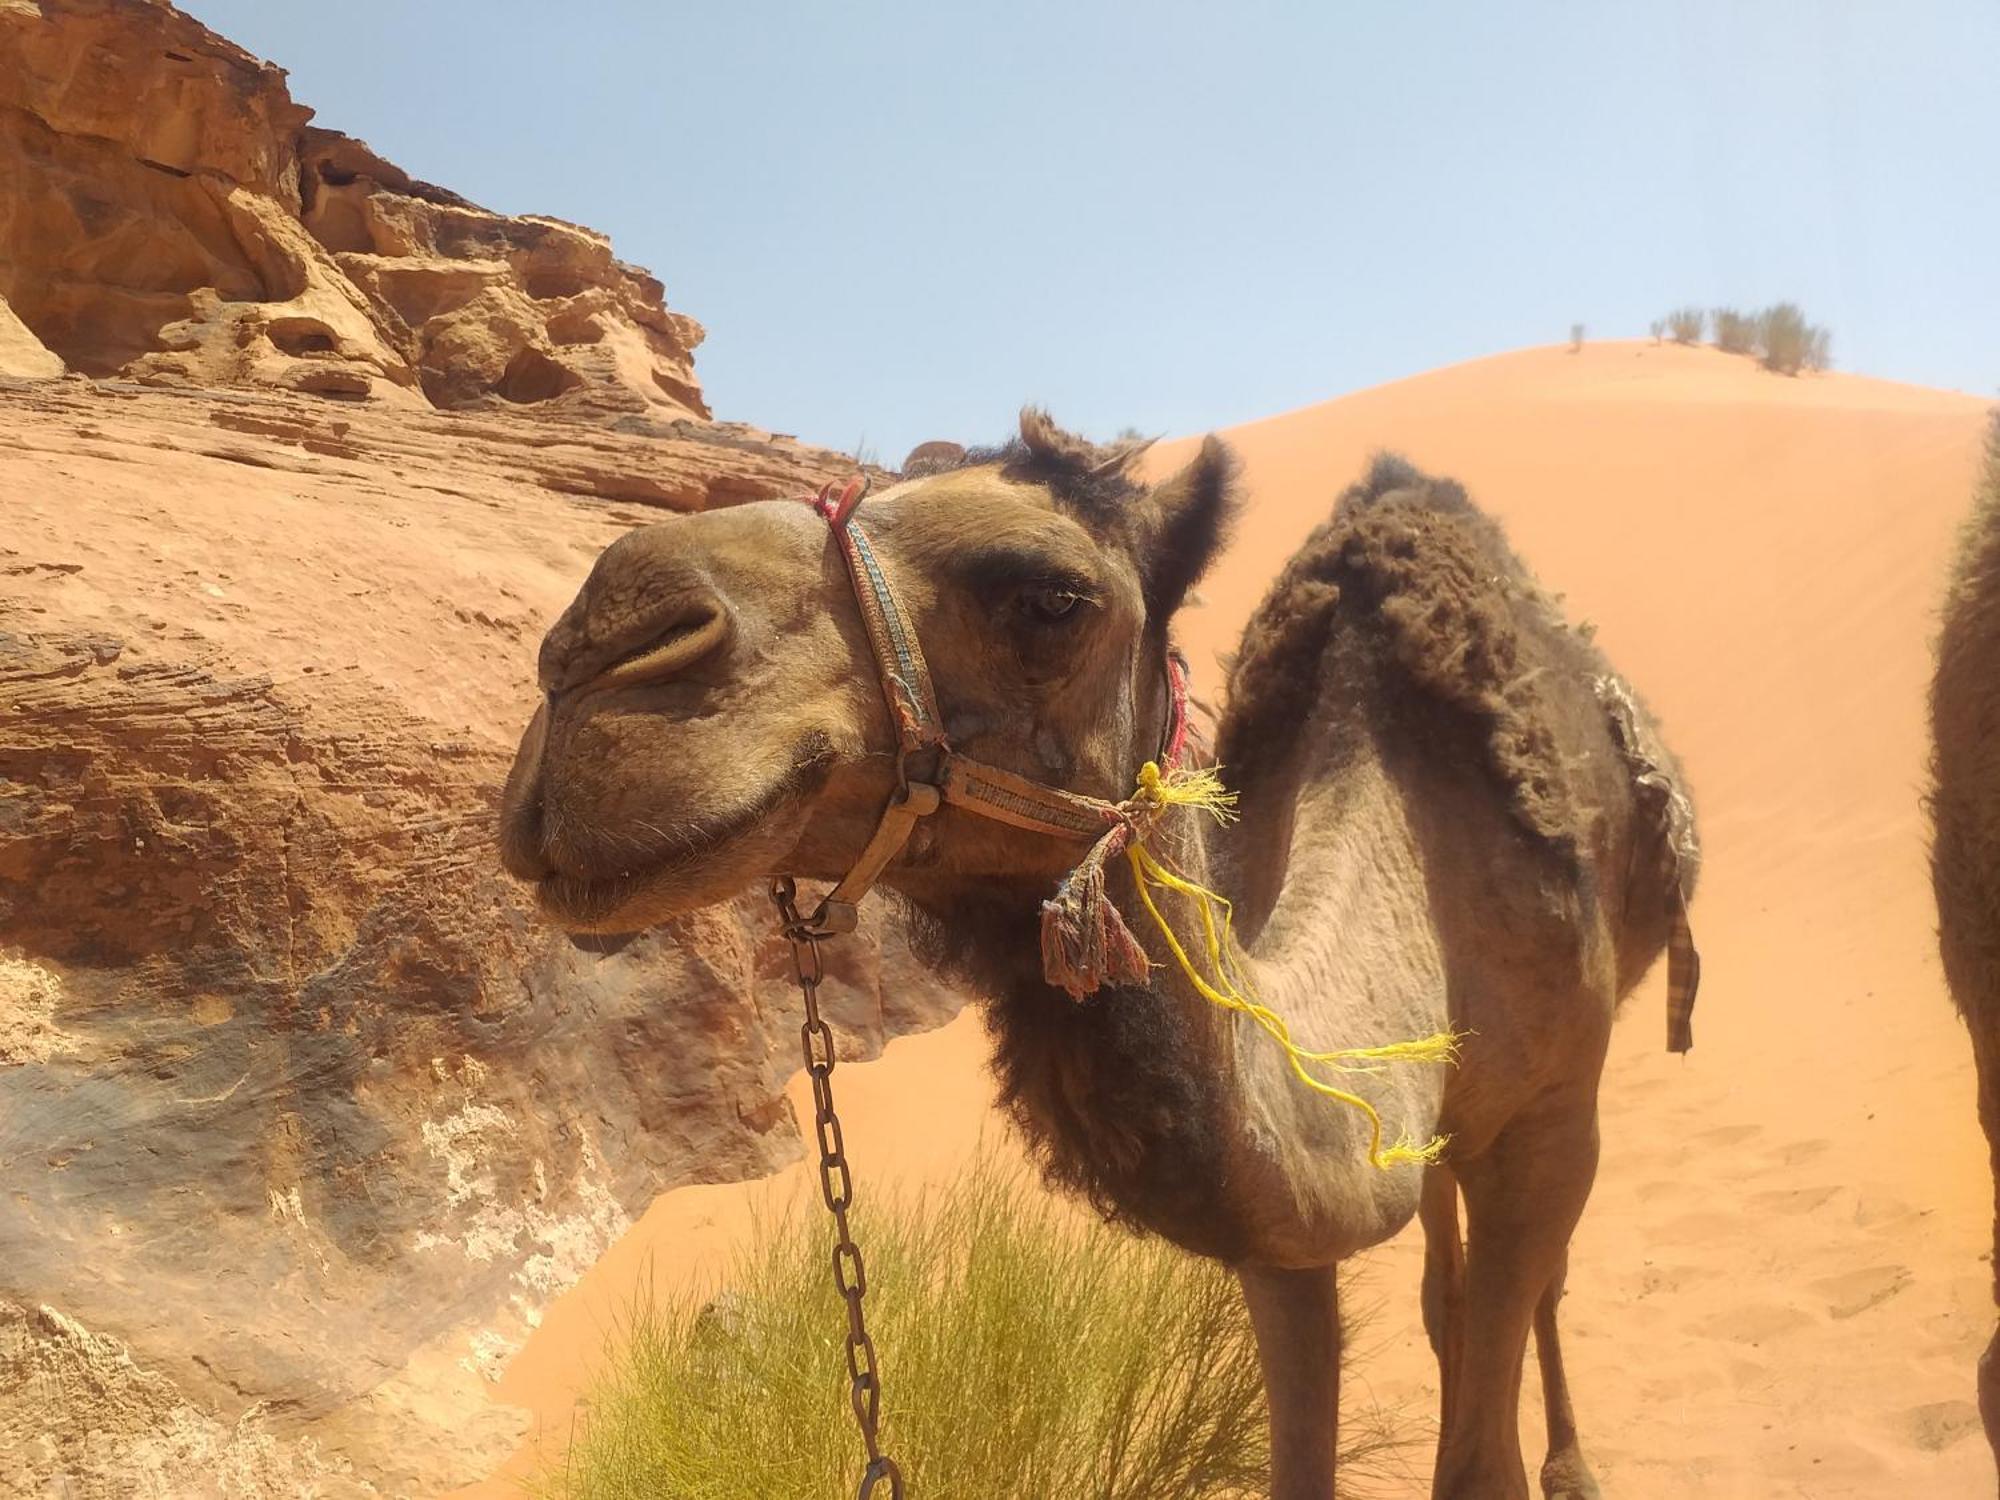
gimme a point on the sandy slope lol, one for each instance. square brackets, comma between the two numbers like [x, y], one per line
[1780, 1286]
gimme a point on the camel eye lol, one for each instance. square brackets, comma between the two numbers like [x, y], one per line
[1051, 603]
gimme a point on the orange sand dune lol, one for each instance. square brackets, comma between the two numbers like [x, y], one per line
[1781, 1284]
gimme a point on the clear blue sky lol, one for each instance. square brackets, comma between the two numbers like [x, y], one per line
[901, 220]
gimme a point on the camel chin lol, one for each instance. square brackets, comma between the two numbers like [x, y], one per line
[628, 902]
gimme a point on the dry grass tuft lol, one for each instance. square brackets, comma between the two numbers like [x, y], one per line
[1024, 1352]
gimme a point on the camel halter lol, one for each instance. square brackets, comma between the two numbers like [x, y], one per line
[1084, 940]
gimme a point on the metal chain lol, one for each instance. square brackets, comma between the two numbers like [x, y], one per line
[836, 1185]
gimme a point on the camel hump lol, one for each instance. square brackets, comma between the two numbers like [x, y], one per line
[1411, 571]
[1391, 474]
[1393, 483]
[1432, 581]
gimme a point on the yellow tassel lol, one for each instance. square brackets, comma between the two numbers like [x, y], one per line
[1227, 986]
[1186, 786]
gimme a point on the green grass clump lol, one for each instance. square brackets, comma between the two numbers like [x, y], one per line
[1023, 1353]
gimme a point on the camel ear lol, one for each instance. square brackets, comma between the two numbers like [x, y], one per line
[1050, 443]
[1193, 511]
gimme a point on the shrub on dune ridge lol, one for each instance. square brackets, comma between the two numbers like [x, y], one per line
[1024, 1352]
[1779, 336]
[1787, 343]
[1684, 324]
[1819, 349]
[1735, 332]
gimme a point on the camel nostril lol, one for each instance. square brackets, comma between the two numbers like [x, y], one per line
[697, 633]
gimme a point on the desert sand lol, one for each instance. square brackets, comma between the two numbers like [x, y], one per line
[1781, 1284]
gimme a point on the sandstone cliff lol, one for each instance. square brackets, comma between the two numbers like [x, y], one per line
[303, 1116]
[168, 215]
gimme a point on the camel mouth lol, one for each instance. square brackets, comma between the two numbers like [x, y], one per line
[624, 903]
[608, 906]
[586, 906]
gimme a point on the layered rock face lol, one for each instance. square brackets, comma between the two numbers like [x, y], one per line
[168, 215]
[303, 1115]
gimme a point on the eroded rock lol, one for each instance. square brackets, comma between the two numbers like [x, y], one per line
[304, 1115]
[167, 215]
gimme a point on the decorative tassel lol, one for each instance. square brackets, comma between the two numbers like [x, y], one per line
[1185, 786]
[1085, 942]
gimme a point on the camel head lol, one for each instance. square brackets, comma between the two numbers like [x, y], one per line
[713, 714]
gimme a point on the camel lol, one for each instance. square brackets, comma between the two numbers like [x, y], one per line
[1965, 815]
[1452, 816]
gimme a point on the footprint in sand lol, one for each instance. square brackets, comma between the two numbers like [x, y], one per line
[1697, 1229]
[1727, 1135]
[1680, 1385]
[1640, 1088]
[1794, 1152]
[1935, 1427]
[1857, 1291]
[1673, 1278]
[1752, 1323]
[1793, 1200]
[1665, 1187]
[1879, 1210]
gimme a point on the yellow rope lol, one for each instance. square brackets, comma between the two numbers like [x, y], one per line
[1230, 987]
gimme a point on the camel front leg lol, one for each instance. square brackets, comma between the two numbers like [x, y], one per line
[1989, 1378]
[1523, 1196]
[1296, 1317]
[1444, 1283]
[1565, 1476]
[1988, 1068]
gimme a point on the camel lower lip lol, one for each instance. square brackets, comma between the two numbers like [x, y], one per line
[594, 903]
[583, 904]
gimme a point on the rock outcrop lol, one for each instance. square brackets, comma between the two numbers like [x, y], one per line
[303, 1115]
[168, 215]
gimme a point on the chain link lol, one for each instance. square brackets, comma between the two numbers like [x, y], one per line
[836, 1185]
